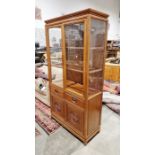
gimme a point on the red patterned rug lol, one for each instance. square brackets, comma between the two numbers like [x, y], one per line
[37, 132]
[43, 117]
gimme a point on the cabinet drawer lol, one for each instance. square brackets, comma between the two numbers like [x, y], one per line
[75, 117]
[56, 91]
[74, 100]
[57, 106]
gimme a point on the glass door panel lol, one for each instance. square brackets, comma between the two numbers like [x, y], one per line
[96, 55]
[74, 44]
[56, 55]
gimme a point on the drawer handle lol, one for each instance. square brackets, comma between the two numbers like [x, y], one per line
[74, 100]
[56, 91]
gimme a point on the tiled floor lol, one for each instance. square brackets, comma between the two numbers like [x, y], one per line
[107, 142]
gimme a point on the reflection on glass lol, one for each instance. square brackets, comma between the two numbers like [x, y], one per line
[74, 34]
[56, 54]
[96, 56]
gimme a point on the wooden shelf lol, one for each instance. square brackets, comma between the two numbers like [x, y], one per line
[68, 82]
[79, 89]
[76, 88]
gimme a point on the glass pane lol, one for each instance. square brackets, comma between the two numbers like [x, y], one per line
[96, 55]
[74, 40]
[56, 55]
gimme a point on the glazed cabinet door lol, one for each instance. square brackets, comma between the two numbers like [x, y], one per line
[96, 55]
[74, 34]
[55, 47]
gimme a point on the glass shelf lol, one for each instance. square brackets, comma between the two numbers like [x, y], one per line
[75, 70]
[95, 70]
[96, 48]
[76, 48]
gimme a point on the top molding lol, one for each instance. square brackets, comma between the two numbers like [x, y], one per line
[78, 13]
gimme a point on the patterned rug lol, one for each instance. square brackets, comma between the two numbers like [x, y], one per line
[43, 117]
[37, 132]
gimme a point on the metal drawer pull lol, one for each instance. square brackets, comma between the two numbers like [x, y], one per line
[56, 91]
[74, 99]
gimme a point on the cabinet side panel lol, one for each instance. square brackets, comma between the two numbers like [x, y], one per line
[94, 113]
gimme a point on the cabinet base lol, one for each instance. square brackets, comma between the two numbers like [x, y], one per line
[85, 140]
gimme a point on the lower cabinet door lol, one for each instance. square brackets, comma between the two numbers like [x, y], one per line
[75, 117]
[58, 106]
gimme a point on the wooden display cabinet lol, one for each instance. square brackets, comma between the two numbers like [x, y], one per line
[76, 45]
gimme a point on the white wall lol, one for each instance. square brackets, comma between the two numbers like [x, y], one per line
[55, 8]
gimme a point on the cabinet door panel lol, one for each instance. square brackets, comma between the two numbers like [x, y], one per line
[58, 106]
[75, 117]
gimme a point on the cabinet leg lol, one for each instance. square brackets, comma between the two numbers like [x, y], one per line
[85, 142]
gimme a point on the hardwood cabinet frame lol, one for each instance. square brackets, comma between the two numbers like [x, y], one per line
[83, 99]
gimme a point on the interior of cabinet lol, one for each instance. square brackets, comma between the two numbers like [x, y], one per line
[74, 52]
[74, 48]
